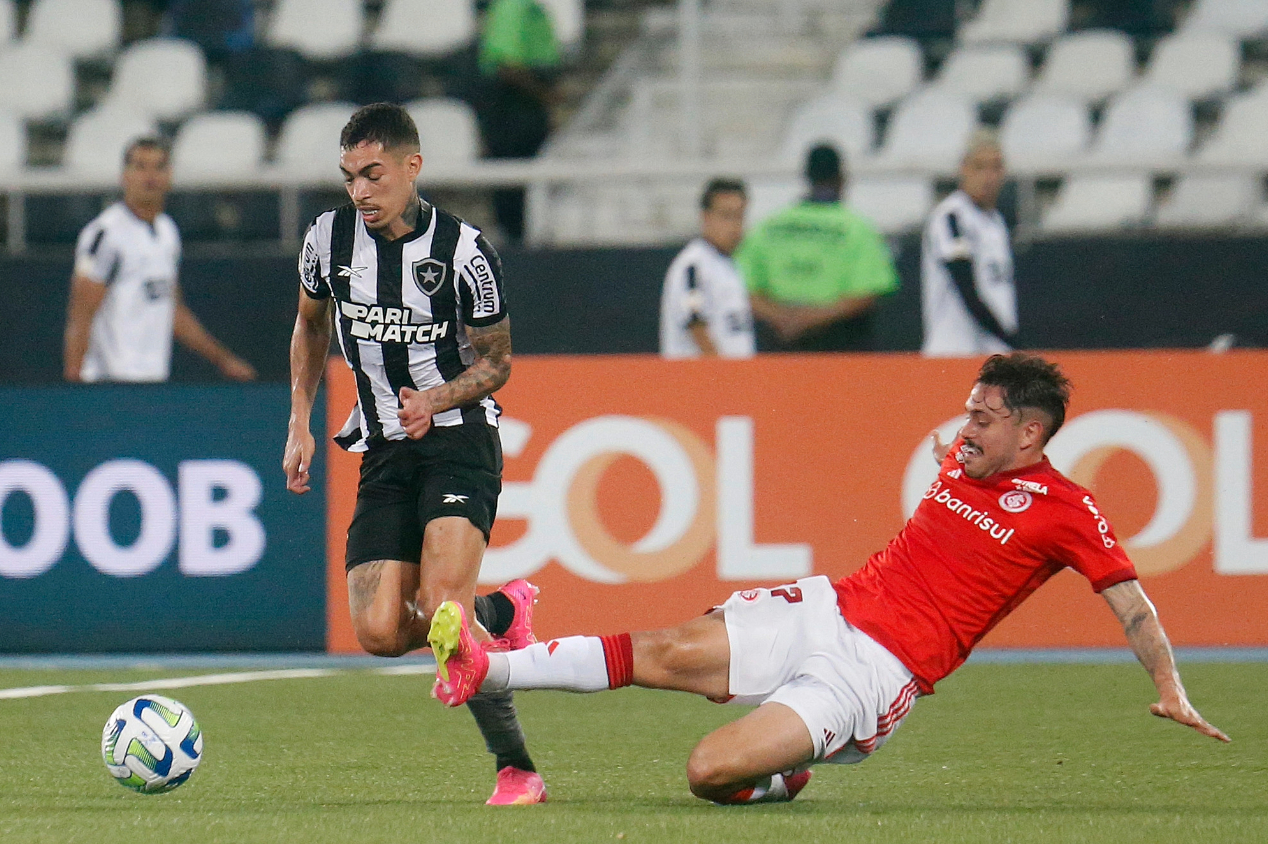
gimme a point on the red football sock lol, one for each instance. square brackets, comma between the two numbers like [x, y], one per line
[618, 652]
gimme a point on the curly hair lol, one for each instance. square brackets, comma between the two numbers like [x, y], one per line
[1029, 381]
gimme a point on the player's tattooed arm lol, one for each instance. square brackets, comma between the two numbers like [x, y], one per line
[1150, 644]
[487, 374]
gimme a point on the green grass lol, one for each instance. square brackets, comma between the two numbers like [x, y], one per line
[1002, 753]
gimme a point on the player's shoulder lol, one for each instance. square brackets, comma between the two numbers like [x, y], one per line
[112, 218]
[953, 203]
[1045, 480]
[321, 227]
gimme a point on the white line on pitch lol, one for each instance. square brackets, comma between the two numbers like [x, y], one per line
[204, 680]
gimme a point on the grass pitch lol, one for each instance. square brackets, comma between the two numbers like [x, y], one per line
[1029, 753]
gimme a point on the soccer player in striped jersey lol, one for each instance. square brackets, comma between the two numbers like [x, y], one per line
[836, 667]
[415, 296]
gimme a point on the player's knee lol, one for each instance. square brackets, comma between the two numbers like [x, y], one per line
[381, 637]
[708, 773]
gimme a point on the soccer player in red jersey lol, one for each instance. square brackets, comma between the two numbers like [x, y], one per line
[836, 667]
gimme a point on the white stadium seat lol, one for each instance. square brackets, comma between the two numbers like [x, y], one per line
[318, 29]
[83, 28]
[8, 22]
[37, 81]
[1090, 65]
[879, 71]
[1017, 21]
[447, 131]
[1045, 133]
[893, 203]
[98, 139]
[984, 73]
[1097, 202]
[12, 142]
[425, 27]
[837, 119]
[1142, 128]
[308, 144]
[1238, 18]
[1239, 139]
[928, 132]
[1211, 200]
[1197, 64]
[569, 20]
[165, 77]
[218, 144]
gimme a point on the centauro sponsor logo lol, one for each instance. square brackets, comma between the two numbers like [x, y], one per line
[966, 511]
[486, 294]
[390, 325]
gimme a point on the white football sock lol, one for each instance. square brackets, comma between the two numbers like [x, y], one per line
[574, 664]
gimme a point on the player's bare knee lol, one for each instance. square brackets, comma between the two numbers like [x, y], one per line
[380, 636]
[708, 774]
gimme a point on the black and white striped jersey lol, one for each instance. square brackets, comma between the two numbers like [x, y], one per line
[401, 311]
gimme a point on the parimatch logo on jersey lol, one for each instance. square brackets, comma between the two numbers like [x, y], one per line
[390, 325]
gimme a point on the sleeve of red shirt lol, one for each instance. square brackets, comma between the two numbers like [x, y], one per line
[1088, 545]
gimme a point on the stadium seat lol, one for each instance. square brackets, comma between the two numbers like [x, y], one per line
[1143, 128]
[8, 23]
[428, 28]
[569, 19]
[1211, 200]
[984, 73]
[1044, 133]
[835, 118]
[37, 81]
[893, 203]
[318, 29]
[97, 139]
[218, 144]
[1238, 140]
[83, 28]
[447, 131]
[1241, 19]
[1096, 202]
[266, 81]
[12, 142]
[165, 77]
[1091, 65]
[1017, 21]
[1197, 64]
[879, 71]
[928, 132]
[308, 145]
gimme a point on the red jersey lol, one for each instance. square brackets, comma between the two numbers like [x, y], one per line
[972, 551]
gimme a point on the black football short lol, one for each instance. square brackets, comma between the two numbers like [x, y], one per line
[454, 471]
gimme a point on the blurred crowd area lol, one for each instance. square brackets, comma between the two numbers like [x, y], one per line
[1114, 116]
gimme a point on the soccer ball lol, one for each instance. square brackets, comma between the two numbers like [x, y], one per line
[151, 744]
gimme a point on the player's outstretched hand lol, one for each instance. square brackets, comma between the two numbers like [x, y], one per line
[297, 460]
[236, 369]
[940, 448]
[1182, 712]
[415, 413]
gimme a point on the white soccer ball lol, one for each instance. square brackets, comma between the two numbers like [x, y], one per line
[151, 744]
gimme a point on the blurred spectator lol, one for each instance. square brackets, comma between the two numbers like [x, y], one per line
[125, 301]
[220, 27]
[519, 58]
[704, 310]
[968, 299]
[816, 270]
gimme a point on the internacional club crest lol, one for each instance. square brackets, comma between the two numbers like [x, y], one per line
[1015, 501]
[429, 275]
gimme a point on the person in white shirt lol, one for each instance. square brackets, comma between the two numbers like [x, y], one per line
[125, 302]
[968, 298]
[704, 307]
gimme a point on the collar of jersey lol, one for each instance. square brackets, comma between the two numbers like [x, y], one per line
[1043, 466]
[425, 213]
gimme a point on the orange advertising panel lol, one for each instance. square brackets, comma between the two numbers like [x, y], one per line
[639, 492]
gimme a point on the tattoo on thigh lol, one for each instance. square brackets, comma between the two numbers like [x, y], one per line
[363, 585]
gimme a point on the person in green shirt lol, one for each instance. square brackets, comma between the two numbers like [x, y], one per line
[816, 270]
[519, 59]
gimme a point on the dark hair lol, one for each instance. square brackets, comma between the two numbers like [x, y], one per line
[717, 186]
[383, 123]
[1029, 381]
[147, 142]
[823, 164]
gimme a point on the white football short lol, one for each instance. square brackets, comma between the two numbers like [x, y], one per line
[791, 645]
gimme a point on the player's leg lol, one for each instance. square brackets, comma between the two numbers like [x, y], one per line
[381, 598]
[749, 760]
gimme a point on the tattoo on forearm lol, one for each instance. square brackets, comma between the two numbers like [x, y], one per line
[489, 372]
